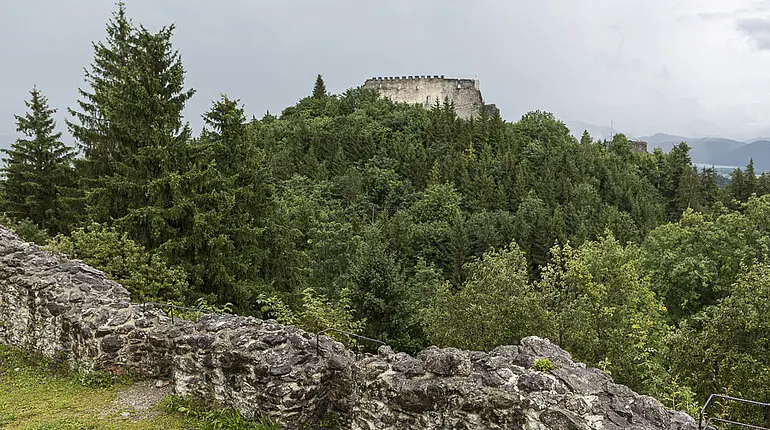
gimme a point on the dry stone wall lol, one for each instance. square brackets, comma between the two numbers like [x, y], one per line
[69, 311]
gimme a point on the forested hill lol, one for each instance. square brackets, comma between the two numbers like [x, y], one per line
[403, 224]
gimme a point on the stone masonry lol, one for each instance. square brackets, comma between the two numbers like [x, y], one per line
[69, 311]
[427, 90]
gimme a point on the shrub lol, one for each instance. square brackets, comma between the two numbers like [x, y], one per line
[146, 275]
[543, 365]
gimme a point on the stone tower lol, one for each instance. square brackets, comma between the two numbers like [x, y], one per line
[426, 90]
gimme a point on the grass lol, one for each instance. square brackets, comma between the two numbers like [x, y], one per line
[37, 394]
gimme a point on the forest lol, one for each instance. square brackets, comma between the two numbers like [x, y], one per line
[401, 223]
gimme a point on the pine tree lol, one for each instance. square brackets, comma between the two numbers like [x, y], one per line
[222, 250]
[97, 131]
[148, 184]
[586, 138]
[131, 130]
[319, 91]
[751, 180]
[38, 171]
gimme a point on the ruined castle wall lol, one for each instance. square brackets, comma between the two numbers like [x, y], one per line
[426, 90]
[67, 310]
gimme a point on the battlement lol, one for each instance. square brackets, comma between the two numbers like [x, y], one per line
[404, 78]
[426, 90]
[465, 83]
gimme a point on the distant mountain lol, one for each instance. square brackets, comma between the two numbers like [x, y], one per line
[708, 149]
[663, 141]
[717, 151]
[705, 151]
[759, 151]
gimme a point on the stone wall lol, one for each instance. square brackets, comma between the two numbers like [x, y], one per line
[426, 90]
[67, 310]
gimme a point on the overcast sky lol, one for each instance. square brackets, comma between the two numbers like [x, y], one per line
[688, 67]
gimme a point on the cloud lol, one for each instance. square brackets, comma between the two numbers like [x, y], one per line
[712, 16]
[757, 30]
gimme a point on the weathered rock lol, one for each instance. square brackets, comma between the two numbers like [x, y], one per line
[65, 309]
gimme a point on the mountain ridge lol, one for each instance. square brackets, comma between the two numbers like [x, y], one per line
[724, 152]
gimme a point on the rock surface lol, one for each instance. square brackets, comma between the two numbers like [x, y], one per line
[69, 311]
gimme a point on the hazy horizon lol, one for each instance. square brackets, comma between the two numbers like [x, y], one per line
[645, 67]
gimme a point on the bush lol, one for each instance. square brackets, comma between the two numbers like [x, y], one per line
[543, 365]
[26, 229]
[146, 275]
[317, 313]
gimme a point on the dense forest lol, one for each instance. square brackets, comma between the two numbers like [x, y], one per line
[403, 224]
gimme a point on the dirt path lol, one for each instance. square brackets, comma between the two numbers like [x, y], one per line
[136, 402]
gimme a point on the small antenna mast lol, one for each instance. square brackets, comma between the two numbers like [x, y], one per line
[612, 130]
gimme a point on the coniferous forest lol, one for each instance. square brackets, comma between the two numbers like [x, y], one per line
[402, 224]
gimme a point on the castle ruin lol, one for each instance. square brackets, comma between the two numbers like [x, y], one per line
[427, 90]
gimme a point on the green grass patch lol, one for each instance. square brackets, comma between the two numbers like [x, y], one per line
[208, 416]
[41, 394]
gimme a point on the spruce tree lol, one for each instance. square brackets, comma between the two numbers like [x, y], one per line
[38, 170]
[96, 127]
[132, 133]
[149, 180]
[319, 91]
[222, 247]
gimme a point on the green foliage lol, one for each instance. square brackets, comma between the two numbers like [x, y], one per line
[39, 178]
[203, 308]
[694, 262]
[227, 205]
[130, 129]
[605, 311]
[99, 379]
[680, 398]
[272, 307]
[319, 90]
[146, 275]
[543, 365]
[380, 293]
[316, 313]
[496, 305]
[319, 313]
[208, 416]
[26, 229]
[723, 348]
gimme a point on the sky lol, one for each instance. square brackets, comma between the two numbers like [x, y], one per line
[686, 67]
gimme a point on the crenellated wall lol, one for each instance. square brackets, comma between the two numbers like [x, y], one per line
[65, 309]
[426, 90]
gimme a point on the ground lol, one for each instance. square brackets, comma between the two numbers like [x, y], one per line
[38, 395]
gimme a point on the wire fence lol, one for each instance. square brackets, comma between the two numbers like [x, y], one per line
[711, 421]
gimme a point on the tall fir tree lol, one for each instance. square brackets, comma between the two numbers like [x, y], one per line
[223, 248]
[95, 125]
[150, 181]
[132, 133]
[38, 171]
[319, 90]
